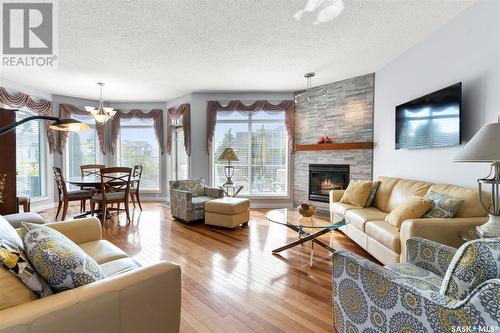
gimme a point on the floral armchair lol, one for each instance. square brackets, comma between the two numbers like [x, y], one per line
[188, 197]
[439, 289]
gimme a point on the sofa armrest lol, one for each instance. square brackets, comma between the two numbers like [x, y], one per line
[441, 230]
[147, 299]
[335, 196]
[214, 192]
[80, 230]
[429, 255]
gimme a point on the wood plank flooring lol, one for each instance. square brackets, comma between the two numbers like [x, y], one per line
[230, 280]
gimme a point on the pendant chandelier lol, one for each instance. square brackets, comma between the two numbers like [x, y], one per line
[101, 114]
[309, 94]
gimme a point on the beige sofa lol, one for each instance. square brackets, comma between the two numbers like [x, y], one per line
[383, 240]
[131, 298]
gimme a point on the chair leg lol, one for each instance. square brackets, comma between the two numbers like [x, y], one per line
[138, 200]
[26, 206]
[104, 214]
[65, 210]
[127, 211]
[118, 209]
[59, 205]
[92, 208]
[132, 198]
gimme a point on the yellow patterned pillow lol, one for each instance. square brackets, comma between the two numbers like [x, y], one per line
[413, 208]
[357, 193]
[62, 263]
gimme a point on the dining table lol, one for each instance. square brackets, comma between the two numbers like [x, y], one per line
[91, 181]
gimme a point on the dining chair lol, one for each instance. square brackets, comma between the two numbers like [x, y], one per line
[115, 189]
[134, 186]
[66, 196]
[90, 169]
[3, 182]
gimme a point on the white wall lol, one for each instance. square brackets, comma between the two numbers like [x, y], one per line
[466, 49]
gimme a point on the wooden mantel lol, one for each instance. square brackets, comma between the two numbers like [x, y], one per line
[334, 146]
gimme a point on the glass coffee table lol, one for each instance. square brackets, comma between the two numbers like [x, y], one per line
[307, 228]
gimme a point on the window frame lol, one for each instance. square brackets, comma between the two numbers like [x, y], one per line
[117, 154]
[288, 158]
[99, 155]
[176, 128]
[45, 161]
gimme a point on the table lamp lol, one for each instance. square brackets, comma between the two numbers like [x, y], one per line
[228, 155]
[484, 147]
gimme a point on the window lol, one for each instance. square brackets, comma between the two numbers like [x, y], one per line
[31, 152]
[260, 142]
[82, 148]
[138, 145]
[180, 166]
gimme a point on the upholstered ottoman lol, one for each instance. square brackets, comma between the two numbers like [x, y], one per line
[227, 212]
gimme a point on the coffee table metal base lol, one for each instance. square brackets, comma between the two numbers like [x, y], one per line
[306, 237]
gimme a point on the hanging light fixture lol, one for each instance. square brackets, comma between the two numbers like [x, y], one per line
[308, 95]
[101, 114]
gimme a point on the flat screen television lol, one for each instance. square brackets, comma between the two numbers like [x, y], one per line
[430, 121]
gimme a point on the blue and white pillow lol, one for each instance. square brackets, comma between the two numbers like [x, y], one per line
[59, 261]
[443, 206]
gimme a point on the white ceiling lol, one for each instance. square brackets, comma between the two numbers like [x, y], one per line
[160, 49]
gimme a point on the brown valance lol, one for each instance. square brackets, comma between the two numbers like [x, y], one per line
[41, 107]
[285, 106]
[173, 114]
[155, 114]
[71, 111]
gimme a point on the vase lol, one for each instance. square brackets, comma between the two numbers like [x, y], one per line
[306, 210]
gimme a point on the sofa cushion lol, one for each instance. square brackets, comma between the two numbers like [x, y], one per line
[357, 193]
[13, 291]
[30, 217]
[61, 263]
[384, 192]
[404, 189]
[14, 259]
[471, 206]
[119, 266]
[8, 232]
[228, 206]
[342, 208]
[358, 217]
[102, 251]
[415, 272]
[412, 208]
[384, 233]
[443, 206]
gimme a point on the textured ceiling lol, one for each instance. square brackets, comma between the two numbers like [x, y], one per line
[158, 50]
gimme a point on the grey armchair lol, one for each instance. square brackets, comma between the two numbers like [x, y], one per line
[188, 197]
[438, 289]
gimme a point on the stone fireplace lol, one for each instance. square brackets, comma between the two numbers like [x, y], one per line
[345, 114]
[326, 177]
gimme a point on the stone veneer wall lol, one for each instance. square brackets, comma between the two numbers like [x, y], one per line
[345, 115]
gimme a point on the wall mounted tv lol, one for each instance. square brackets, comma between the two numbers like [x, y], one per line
[430, 121]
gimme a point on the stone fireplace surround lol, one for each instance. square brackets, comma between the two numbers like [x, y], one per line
[345, 115]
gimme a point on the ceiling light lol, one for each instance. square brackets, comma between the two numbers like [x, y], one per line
[309, 95]
[101, 114]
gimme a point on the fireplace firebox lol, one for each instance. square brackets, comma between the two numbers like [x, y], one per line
[326, 177]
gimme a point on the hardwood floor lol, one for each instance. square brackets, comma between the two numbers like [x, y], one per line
[230, 280]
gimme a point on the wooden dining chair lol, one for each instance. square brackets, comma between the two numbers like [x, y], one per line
[90, 169]
[134, 186]
[66, 196]
[115, 189]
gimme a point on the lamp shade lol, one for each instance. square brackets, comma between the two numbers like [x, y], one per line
[69, 125]
[484, 147]
[228, 155]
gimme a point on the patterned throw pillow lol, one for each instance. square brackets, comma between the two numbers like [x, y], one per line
[13, 258]
[443, 206]
[371, 196]
[57, 259]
